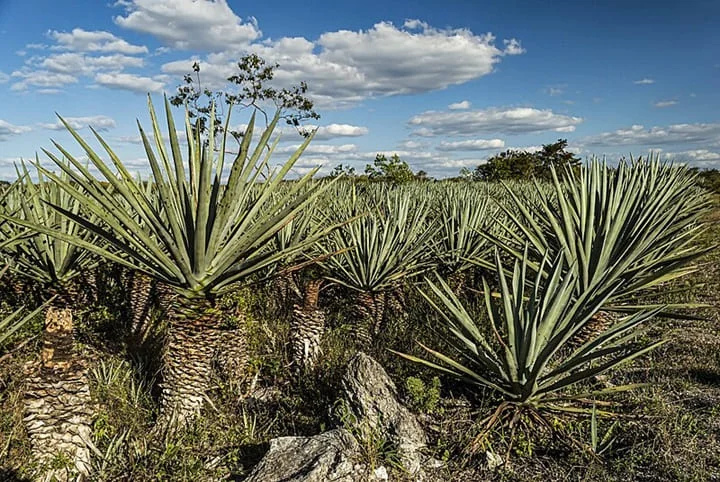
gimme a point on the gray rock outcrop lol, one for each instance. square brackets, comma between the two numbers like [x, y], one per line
[372, 397]
[330, 456]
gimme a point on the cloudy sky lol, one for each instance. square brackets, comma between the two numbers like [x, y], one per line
[443, 84]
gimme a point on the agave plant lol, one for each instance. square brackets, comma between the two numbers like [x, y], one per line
[634, 226]
[377, 251]
[523, 356]
[208, 237]
[464, 214]
[57, 398]
[299, 281]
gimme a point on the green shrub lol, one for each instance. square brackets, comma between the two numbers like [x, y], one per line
[423, 398]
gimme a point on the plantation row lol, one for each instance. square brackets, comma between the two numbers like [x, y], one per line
[561, 269]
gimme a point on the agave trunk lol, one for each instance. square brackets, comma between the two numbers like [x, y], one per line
[395, 303]
[140, 302]
[57, 401]
[458, 281]
[192, 341]
[307, 327]
[231, 355]
[368, 314]
[285, 288]
[599, 323]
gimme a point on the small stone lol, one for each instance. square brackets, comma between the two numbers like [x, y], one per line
[381, 473]
[493, 460]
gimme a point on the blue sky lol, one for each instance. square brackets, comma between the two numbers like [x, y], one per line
[443, 84]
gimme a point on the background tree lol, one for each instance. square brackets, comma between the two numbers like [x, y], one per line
[343, 170]
[249, 88]
[510, 164]
[514, 164]
[392, 169]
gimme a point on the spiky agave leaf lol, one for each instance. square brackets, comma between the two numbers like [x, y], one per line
[192, 230]
[196, 233]
[463, 214]
[385, 245]
[47, 259]
[635, 225]
[531, 324]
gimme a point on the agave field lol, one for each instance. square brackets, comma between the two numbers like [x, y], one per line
[168, 327]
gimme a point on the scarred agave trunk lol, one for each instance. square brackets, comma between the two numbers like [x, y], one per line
[231, 355]
[458, 281]
[286, 289]
[600, 321]
[193, 337]
[307, 326]
[58, 406]
[368, 314]
[140, 302]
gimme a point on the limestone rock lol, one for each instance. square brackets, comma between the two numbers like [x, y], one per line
[372, 397]
[324, 457]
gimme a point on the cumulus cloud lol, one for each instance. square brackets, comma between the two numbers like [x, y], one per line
[135, 83]
[8, 130]
[696, 157]
[471, 145]
[80, 40]
[189, 24]
[41, 78]
[319, 149]
[513, 47]
[412, 144]
[644, 81]
[463, 105]
[331, 131]
[78, 53]
[515, 120]
[665, 103]
[658, 135]
[76, 64]
[4, 77]
[97, 122]
[345, 67]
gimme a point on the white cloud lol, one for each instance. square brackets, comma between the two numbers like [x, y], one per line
[696, 157]
[41, 78]
[319, 149]
[672, 134]
[471, 145]
[189, 24]
[505, 120]
[80, 40]
[411, 144]
[463, 105]
[532, 149]
[135, 83]
[97, 122]
[513, 47]
[331, 131]
[4, 77]
[79, 64]
[8, 130]
[644, 81]
[665, 103]
[345, 67]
